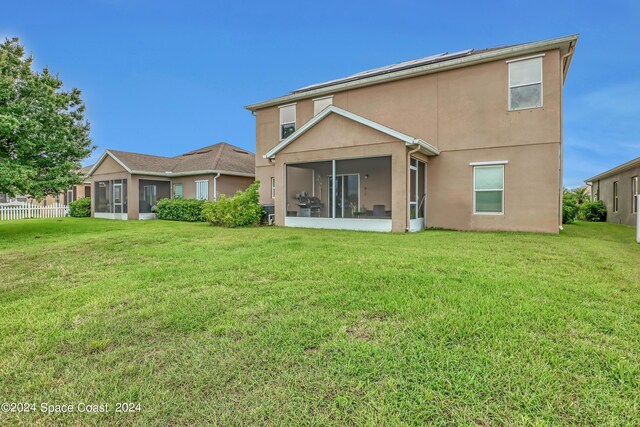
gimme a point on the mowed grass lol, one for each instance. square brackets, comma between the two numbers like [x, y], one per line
[275, 326]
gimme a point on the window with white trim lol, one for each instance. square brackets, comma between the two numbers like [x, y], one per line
[634, 194]
[320, 104]
[202, 190]
[287, 120]
[273, 188]
[615, 196]
[178, 191]
[525, 84]
[488, 189]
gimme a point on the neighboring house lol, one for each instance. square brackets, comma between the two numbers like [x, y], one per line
[74, 193]
[458, 140]
[127, 185]
[81, 190]
[617, 188]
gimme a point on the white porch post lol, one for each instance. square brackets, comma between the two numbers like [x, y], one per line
[333, 192]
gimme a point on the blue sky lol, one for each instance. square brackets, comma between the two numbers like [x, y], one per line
[165, 77]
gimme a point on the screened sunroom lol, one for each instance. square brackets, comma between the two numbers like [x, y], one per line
[111, 199]
[342, 193]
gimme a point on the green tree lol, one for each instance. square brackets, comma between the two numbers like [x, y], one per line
[580, 195]
[43, 132]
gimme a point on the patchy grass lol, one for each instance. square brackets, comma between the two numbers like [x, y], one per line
[272, 326]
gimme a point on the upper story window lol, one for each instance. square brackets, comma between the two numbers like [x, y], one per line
[320, 104]
[287, 120]
[525, 83]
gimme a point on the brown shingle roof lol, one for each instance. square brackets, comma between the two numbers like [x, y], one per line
[220, 157]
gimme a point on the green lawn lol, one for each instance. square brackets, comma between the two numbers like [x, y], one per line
[274, 326]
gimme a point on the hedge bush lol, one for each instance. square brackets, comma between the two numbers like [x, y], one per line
[189, 210]
[81, 208]
[593, 211]
[241, 210]
[569, 208]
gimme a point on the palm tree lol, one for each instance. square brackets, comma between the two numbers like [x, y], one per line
[580, 195]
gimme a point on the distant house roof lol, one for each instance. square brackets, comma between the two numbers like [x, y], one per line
[613, 171]
[425, 65]
[218, 158]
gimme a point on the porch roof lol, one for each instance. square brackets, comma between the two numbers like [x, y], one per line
[410, 141]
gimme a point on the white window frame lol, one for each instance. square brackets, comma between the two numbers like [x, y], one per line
[273, 187]
[634, 194]
[315, 103]
[509, 86]
[481, 165]
[174, 189]
[70, 195]
[294, 122]
[205, 183]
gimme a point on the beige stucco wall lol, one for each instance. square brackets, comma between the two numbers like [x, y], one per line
[225, 184]
[625, 214]
[527, 205]
[464, 113]
[230, 185]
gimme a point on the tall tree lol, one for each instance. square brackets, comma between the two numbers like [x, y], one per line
[43, 132]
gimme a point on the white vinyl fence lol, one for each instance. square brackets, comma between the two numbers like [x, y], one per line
[26, 211]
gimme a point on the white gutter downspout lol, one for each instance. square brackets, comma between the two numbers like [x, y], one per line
[408, 184]
[215, 187]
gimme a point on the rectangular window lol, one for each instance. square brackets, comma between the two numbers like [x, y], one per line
[202, 190]
[178, 191]
[488, 188]
[273, 188]
[320, 104]
[287, 120]
[525, 83]
[615, 196]
[634, 193]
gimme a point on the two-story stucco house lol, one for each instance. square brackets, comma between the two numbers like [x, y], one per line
[470, 140]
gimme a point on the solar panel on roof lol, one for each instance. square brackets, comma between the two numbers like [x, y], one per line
[388, 69]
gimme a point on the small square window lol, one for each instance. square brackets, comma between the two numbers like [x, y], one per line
[178, 191]
[321, 103]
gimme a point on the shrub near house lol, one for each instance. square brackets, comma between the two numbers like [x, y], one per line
[593, 211]
[238, 211]
[189, 210]
[81, 208]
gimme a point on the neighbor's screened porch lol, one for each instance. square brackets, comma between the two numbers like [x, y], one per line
[348, 193]
[111, 199]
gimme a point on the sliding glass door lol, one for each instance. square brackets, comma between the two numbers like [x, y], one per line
[346, 196]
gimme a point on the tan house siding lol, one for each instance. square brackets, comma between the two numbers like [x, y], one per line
[189, 185]
[463, 112]
[230, 185]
